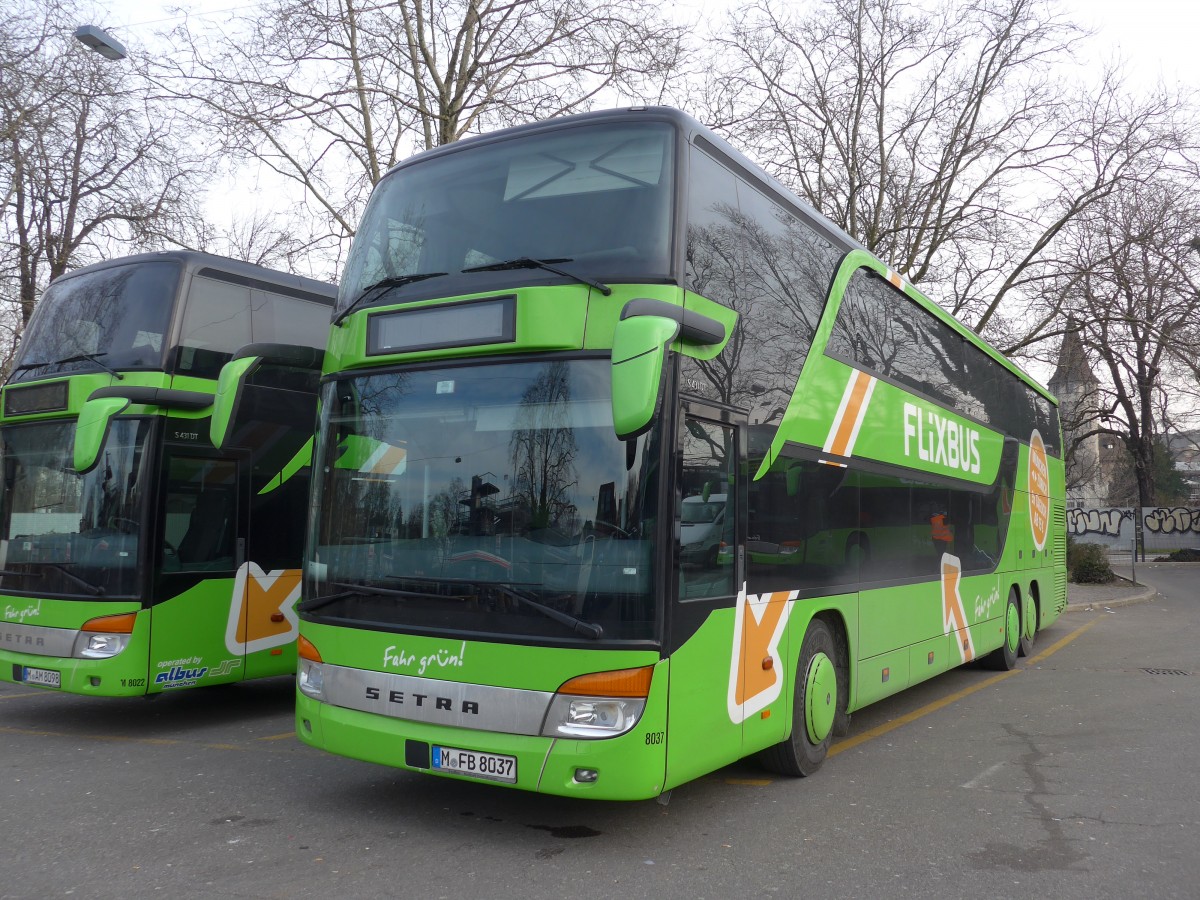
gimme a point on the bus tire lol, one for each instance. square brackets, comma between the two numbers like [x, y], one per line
[814, 707]
[1004, 657]
[1029, 621]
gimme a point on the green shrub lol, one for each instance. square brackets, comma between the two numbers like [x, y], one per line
[1088, 564]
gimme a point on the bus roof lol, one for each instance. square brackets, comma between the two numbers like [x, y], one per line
[195, 259]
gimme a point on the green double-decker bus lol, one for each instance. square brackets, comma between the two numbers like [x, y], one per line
[631, 465]
[135, 557]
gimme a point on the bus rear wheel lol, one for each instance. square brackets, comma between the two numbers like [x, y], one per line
[1004, 657]
[814, 707]
[1029, 625]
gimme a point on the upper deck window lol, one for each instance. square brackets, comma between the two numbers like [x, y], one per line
[117, 315]
[596, 199]
[224, 313]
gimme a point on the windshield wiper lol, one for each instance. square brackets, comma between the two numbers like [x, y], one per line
[92, 357]
[94, 589]
[579, 626]
[382, 287]
[528, 262]
[78, 357]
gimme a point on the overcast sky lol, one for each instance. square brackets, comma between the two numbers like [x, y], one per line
[1157, 37]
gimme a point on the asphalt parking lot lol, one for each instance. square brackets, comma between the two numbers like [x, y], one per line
[1069, 777]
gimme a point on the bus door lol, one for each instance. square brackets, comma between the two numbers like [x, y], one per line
[276, 426]
[708, 568]
[197, 560]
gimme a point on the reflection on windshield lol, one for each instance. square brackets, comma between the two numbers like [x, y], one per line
[67, 534]
[479, 498]
[114, 318]
[596, 198]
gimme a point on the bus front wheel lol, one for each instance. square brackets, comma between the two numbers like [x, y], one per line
[814, 707]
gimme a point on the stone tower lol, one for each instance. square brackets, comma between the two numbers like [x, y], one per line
[1078, 392]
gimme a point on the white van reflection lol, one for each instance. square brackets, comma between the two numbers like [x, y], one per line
[700, 522]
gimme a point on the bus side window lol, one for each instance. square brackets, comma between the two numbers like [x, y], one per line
[216, 322]
[200, 520]
[707, 513]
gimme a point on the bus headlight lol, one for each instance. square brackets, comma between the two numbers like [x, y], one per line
[311, 679]
[601, 705]
[104, 637]
[100, 646]
[592, 717]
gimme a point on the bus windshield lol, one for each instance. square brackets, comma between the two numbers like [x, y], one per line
[594, 200]
[111, 318]
[62, 533]
[491, 499]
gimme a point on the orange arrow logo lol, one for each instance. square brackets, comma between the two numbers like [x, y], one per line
[756, 669]
[954, 615]
[262, 612]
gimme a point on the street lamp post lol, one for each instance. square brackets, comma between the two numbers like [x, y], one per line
[100, 41]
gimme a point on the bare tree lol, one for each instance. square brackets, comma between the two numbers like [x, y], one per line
[941, 136]
[1134, 287]
[328, 94]
[88, 163]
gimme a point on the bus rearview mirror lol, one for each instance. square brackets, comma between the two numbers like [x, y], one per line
[228, 397]
[639, 354]
[232, 380]
[91, 430]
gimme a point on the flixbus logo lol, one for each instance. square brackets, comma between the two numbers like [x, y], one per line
[936, 439]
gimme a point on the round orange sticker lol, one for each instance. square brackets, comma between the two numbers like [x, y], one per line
[1039, 491]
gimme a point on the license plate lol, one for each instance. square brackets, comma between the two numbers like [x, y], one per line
[491, 766]
[43, 677]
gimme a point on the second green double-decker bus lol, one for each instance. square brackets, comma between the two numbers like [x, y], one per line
[135, 557]
[631, 465]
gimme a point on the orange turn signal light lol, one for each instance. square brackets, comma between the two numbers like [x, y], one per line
[122, 624]
[618, 683]
[306, 650]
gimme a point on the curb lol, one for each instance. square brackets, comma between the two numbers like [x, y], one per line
[1146, 593]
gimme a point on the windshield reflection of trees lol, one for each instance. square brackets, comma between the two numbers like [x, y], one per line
[773, 271]
[509, 482]
[118, 315]
[71, 534]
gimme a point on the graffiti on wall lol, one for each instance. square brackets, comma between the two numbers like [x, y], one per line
[1164, 526]
[1097, 521]
[1173, 521]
